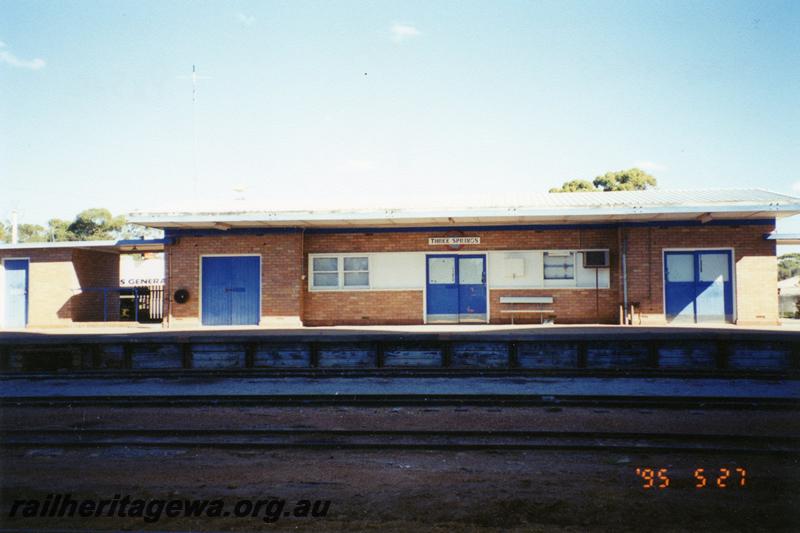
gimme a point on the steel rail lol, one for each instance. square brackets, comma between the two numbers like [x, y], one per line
[402, 439]
[406, 373]
[378, 400]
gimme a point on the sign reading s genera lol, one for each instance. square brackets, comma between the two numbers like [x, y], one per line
[134, 282]
[453, 241]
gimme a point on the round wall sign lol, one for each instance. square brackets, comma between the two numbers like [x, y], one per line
[455, 246]
[181, 296]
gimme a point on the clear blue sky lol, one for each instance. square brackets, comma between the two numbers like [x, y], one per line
[334, 102]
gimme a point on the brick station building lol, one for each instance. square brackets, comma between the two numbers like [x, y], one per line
[642, 257]
[648, 257]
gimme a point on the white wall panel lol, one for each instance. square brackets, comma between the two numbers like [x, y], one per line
[397, 270]
[504, 269]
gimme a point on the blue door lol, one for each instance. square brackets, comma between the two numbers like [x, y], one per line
[698, 286]
[456, 288]
[15, 293]
[442, 289]
[231, 291]
[472, 288]
[714, 286]
[680, 288]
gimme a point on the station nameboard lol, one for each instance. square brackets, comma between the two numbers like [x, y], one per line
[453, 241]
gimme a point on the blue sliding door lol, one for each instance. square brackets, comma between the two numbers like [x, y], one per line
[231, 291]
[698, 286]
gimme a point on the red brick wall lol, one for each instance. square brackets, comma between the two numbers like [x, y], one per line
[285, 259]
[755, 269]
[363, 307]
[94, 270]
[405, 307]
[571, 306]
[281, 271]
[490, 240]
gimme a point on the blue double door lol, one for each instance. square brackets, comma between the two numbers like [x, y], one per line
[455, 288]
[231, 290]
[15, 293]
[698, 286]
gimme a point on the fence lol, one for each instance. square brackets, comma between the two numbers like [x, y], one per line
[142, 304]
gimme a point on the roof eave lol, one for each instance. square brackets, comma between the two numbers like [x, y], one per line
[122, 245]
[500, 215]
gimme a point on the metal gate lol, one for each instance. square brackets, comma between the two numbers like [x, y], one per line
[143, 304]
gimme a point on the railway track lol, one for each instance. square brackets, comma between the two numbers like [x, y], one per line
[390, 400]
[404, 373]
[401, 439]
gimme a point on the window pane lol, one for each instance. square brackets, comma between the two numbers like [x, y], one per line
[326, 264]
[680, 267]
[326, 280]
[559, 266]
[356, 263]
[356, 279]
[713, 267]
[441, 270]
[470, 270]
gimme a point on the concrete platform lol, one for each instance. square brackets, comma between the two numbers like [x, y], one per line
[157, 333]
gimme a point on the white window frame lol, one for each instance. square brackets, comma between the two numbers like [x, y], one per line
[345, 272]
[338, 272]
[340, 286]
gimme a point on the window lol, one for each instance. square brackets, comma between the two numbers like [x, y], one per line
[356, 272]
[326, 272]
[441, 270]
[339, 272]
[559, 265]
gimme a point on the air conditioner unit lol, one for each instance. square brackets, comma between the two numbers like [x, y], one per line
[595, 259]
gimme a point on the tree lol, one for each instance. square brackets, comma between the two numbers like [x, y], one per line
[31, 233]
[788, 266]
[575, 186]
[89, 225]
[633, 179]
[58, 230]
[95, 224]
[134, 231]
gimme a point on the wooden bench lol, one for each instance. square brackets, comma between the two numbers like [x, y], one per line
[538, 301]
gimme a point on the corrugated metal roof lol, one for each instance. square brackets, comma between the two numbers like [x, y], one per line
[657, 197]
[551, 206]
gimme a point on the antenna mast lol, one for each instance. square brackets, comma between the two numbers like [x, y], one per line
[194, 129]
[195, 77]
